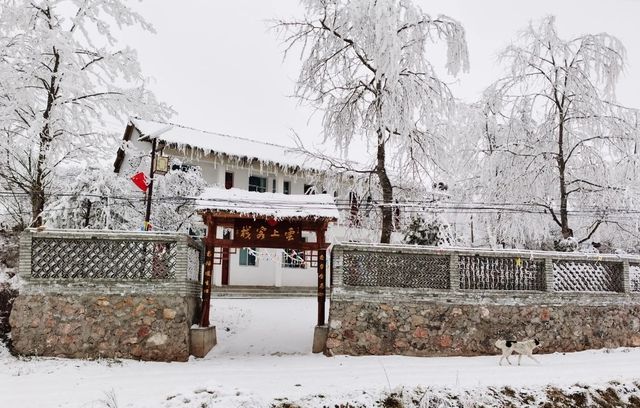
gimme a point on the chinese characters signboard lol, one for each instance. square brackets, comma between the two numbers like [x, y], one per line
[257, 232]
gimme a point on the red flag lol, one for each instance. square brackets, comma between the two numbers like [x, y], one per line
[140, 180]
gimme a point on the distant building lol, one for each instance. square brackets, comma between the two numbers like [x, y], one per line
[234, 162]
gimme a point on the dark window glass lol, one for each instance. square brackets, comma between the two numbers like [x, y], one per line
[247, 258]
[258, 184]
[228, 180]
[309, 189]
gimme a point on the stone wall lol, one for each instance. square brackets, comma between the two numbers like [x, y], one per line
[428, 328]
[147, 327]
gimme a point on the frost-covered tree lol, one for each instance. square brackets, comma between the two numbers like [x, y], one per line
[173, 204]
[365, 65]
[98, 198]
[62, 74]
[91, 197]
[554, 138]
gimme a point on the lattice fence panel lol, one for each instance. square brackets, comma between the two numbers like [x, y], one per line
[634, 277]
[102, 259]
[396, 270]
[499, 273]
[587, 276]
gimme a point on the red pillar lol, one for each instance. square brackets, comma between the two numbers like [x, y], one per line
[208, 273]
[322, 285]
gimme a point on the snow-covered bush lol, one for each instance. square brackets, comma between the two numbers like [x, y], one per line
[421, 232]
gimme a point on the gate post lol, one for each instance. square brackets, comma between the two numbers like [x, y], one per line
[322, 285]
[208, 273]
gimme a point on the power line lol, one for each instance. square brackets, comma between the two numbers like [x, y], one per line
[407, 206]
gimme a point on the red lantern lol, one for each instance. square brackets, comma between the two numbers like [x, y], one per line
[140, 180]
[272, 222]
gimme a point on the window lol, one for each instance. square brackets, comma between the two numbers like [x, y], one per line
[309, 189]
[258, 184]
[228, 180]
[273, 185]
[286, 187]
[292, 258]
[248, 258]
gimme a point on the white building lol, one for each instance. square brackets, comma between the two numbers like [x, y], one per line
[240, 163]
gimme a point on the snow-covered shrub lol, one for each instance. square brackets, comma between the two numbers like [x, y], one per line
[422, 232]
[569, 244]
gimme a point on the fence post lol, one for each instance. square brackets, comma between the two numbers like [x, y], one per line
[24, 254]
[626, 283]
[454, 272]
[336, 272]
[548, 274]
[181, 262]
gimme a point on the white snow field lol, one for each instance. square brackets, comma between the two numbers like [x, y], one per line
[263, 358]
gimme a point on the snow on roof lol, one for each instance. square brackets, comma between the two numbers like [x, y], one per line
[267, 204]
[210, 142]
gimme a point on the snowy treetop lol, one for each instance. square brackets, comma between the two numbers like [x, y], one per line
[275, 205]
[216, 143]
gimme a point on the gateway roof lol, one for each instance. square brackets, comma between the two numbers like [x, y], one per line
[274, 205]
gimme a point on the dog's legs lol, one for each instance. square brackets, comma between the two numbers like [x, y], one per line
[507, 354]
[533, 358]
[519, 358]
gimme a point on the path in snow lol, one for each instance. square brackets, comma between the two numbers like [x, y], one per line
[265, 355]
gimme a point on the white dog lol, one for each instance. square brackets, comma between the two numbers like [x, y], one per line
[521, 347]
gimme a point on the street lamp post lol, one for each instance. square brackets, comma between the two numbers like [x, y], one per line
[147, 216]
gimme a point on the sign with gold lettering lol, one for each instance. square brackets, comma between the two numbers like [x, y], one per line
[264, 234]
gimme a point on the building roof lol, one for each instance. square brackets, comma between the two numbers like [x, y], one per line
[183, 137]
[274, 205]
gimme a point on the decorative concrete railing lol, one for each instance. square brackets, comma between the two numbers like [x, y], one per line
[457, 269]
[118, 261]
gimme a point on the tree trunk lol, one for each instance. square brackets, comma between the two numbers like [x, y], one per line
[387, 191]
[87, 214]
[37, 190]
[564, 216]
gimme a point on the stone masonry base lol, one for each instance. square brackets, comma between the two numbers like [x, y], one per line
[423, 328]
[203, 339]
[91, 326]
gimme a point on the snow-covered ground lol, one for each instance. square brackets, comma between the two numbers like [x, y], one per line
[263, 358]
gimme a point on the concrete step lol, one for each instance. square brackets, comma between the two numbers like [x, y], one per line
[262, 291]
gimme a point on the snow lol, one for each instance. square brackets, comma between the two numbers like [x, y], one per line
[263, 356]
[268, 204]
[218, 143]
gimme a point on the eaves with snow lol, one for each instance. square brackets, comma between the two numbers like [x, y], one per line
[205, 143]
[267, 205]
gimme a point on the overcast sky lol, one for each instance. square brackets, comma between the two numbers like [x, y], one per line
[221, 68]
